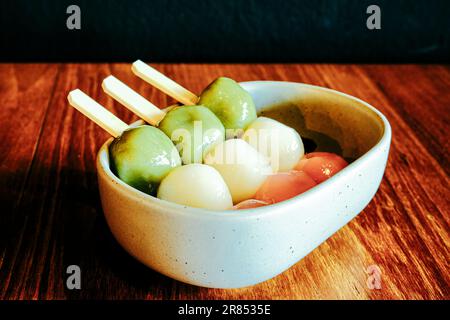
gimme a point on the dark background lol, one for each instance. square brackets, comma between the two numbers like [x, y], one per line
[226, 31]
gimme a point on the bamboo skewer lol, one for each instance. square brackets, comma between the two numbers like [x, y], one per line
[97, 113]
[132, 100]
[136, 103]
[163, 83]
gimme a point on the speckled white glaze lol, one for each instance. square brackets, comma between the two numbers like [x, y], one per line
[230, 249]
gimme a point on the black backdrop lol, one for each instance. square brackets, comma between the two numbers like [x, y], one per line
[226, 31]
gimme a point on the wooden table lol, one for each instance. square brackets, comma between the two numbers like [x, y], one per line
[52, 218]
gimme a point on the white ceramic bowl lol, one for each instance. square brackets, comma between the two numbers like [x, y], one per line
[230, 249]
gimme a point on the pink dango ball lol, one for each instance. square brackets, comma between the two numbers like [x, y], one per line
[249, 204]
[284, 185]
[321, 165]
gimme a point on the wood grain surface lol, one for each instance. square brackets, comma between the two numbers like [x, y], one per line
[51, 215]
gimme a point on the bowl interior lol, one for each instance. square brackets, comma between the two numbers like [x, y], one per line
[327, 120]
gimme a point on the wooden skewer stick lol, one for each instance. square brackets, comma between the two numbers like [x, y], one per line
[96, 112]
[136, 103]
[163, 83]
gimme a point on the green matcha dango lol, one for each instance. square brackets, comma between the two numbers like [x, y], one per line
[142, 157]
[194, 130]
[230, 103]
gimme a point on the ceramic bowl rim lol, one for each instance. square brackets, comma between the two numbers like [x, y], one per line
[103, 168]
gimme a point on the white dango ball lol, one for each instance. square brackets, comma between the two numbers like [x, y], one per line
[196, 185]
[242, 167]
[280, 143]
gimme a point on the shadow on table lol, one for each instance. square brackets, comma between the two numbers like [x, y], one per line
[53, 219]
[109, 272]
